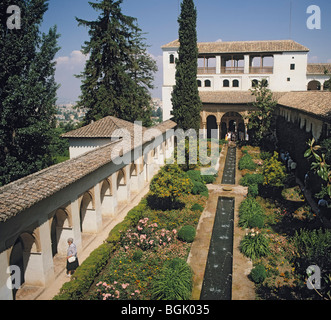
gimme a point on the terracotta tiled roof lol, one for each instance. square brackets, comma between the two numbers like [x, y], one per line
[245, 46]
[103, 128]
[316, 103]
[24, 193]
[231, 97]
[318, 68]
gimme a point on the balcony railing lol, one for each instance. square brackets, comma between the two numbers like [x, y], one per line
[261, 70]
[207, 70]
[236, 70]
[232, 70]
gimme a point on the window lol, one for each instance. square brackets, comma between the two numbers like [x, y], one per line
[208, 83]
[172, 59]
[199, 83]
[288, 79]
[226, 83]
[292, 66]
[255, 83]
[235, 83]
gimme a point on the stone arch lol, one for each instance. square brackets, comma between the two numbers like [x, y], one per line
[121, 178]
[233, 122]
[211, 125]
[122, 186]
[314, 85]
[21, 255]
[107, 198]
[60, 225]
[87, 212]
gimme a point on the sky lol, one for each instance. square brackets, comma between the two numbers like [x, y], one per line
[218, 20]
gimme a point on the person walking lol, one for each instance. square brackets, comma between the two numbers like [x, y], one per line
[72, 260]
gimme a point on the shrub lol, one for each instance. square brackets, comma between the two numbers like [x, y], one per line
[258, 274]
[254, 245]
[174, 282]
[169, 185]
[256, 221]
[194, 175]
[208, 179]
[264, 155]
[137, 255]
[199, 188]
[187, 234]
[248, 211]
[313, 247]
[197, 207]
[252, 179]
[253, 190]
[274, 172]
[246, 162]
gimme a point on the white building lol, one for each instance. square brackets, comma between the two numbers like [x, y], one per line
[231, 67]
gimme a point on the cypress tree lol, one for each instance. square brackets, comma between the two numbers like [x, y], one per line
[119, 71]
[185, 97]
[27, 92]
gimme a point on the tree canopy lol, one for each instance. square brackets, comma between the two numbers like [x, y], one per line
[27, 91]
[185, 97]
[119, 71]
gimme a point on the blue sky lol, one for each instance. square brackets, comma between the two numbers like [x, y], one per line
[217, 19]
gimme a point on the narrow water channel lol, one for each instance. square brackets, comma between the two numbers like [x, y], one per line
[217, 284]
[229, 173]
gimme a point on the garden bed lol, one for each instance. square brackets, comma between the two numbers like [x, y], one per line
[289, 239]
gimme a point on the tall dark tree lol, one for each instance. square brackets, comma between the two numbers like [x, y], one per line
[261, 123]
[185, 97]
[119, 70]
[27, 91]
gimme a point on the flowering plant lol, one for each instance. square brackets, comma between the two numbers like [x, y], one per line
[146, 236]
[116, 291]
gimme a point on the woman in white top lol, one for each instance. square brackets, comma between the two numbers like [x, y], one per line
[72, 260]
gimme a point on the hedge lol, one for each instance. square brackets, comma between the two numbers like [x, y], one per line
[85, 274]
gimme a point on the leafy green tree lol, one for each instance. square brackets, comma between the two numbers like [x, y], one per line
[27, 92]
[262, 118]
[119, 71]
[320, 166]
[185, 97]
[274, 172]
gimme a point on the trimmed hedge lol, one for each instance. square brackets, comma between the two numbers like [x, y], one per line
[86, 273]
[187, 234]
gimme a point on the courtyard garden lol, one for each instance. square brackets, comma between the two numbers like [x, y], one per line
[144, 257]
[284, 236]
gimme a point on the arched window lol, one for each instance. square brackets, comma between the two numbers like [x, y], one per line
[171, 59]
[207, 83]
[226, 83]
[265, 83]
[199, 83]
[235, 83]
[255, 83]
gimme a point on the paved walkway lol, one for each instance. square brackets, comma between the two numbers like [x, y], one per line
[90, 243]
[242, 287]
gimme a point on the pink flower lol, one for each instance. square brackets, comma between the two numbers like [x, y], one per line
[174, 231]
[132, 294]
[151, 242]
[139, 228]
[125, 285]
[137, 291]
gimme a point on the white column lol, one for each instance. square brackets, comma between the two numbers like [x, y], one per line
[246, 63]
[218, 64]
[76, 231]
[5, 291]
